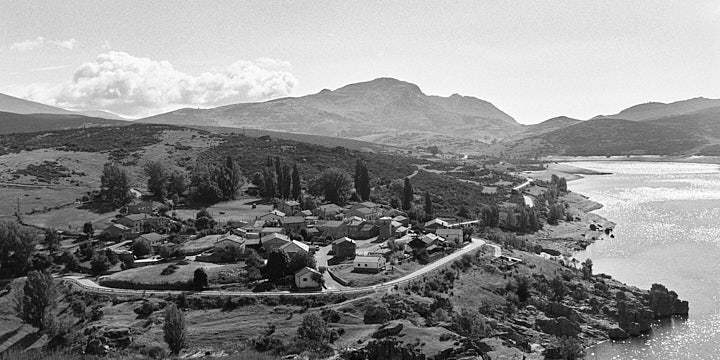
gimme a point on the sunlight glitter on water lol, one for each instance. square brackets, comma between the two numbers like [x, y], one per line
[668, 231]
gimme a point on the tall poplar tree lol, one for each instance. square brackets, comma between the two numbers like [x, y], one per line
[362, 180]
[296, 187]
[408, 194]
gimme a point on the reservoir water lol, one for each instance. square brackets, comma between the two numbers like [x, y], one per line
[668, 232]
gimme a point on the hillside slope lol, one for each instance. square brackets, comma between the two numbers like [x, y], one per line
[600, 137]
[375, 107]
[655, 110]
[20, 123]
[20, 106]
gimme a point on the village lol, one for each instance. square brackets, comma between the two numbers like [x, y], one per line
[327, 248]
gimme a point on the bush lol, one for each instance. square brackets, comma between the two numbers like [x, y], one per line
[169, 270]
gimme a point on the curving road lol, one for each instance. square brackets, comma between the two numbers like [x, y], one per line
[475, 244]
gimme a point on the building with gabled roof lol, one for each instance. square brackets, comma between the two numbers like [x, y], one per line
[273, 241]
[344, 247]
[293, 223]
[454, 235]
[308, 278]
[370, 264]
[436, 224]
[295, 247]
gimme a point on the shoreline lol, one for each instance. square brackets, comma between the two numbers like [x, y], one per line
[694, 159]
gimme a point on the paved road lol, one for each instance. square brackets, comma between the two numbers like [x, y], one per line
[321, 258]
[475, 244]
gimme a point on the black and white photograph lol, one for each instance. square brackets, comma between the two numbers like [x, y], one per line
[360, 180]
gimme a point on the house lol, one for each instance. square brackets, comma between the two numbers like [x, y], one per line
[253, 243]
[289, 207]
[293, 223]
[308, 278]
[365, 213]
[333, 229]
[295, 247]
[327, 211]
[368, 231]
[154, 239]
[141, 207]
[402, 220]
[453, 235]
[344, 247]
[392, 213]
[352, 226]
[230, 241]
[385, 229]
[273, 241]
[425, 241]
[367, 205]
[270, 230]
[305, 213]
[370, 264]
[436, 224]
[116, 232]
[133, 221]
[400, 231]
[272, 216]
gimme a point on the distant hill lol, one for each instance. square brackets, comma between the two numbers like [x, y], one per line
[705, 122]
[655, 110]
[21, 123]
[21, 106]
[550, 125]
[17, 105]
[379, 106]
[600, 137]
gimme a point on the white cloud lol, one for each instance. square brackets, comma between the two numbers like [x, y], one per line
[67, 44]
[27, 45]
[135, 86]
[39, 42]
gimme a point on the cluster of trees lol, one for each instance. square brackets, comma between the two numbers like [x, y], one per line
[334, 184]
[17, 244]
[523, 219]
[164, 183]
[216, 182]
[276, 180]
[115, 185]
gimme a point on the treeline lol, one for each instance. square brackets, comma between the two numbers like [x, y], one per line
[276, 180]
[209, 183]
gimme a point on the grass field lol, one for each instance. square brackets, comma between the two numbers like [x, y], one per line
[149, 277]
[345, 271]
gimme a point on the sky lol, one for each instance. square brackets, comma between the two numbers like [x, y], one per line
[532, 59]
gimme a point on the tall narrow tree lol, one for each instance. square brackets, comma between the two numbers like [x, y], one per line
[228, 178]
[408, 194]
[174, 329]
[296, 187]
[287, 181]
[270, 182]
[158, 178]
[362, 180]
[428, 204]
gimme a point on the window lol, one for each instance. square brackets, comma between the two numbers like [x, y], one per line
[304, 279]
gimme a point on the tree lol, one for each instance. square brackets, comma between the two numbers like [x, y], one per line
[314, 328]
[558, 288]
[270, 177]
[88, 229]
[471, 324]
[141, 247]
[228, 179]
[177, 184]
[158, 178]
[335, 184]
[555, 213]
[39, 299]
[204, 188]
[52, 239]
[300, 260]
[428, 205]
[490, 216]
[587, 266]
[17, 244]
[115, 185]
[463, 212]
[174, 329]
[362, 180]
[277, 264]
[99, 264]
[523, 288]
[200, 279]
[296, 187]
[408, 195]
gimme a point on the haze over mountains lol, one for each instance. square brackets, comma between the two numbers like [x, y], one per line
[394, 112]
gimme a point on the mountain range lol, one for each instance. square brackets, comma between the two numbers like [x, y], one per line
[393, 112]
